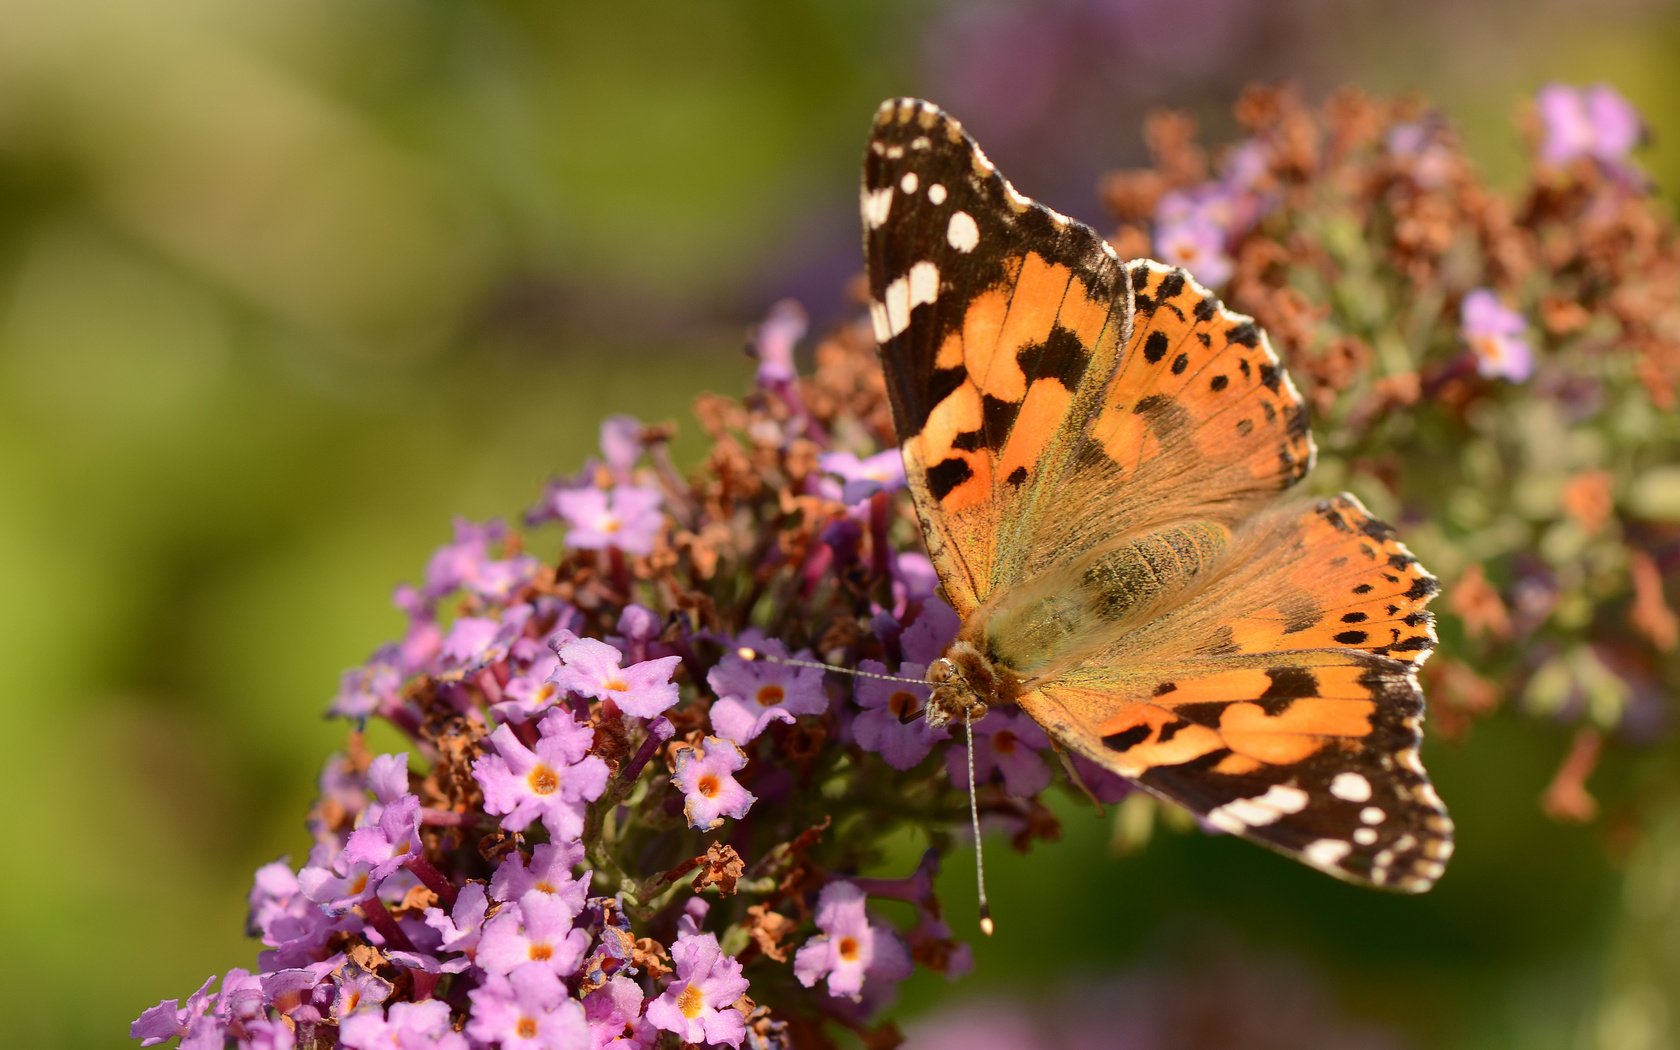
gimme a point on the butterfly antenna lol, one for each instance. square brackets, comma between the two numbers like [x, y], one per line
[752, 655]
[986, 925]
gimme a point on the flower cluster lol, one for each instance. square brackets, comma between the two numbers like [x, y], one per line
[622, 820]
[1495, 372]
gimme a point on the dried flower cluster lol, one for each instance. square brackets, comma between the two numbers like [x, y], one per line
[1494, 371]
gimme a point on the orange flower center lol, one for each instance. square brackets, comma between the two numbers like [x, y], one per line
[1003, 741]
[902, 703]
[617, 685]
[527, 1028]
[543, 887]
[691, 1002]
[611, 525]
[848, 949]
[543, 780]
[708, 786]
[770, 695]
[541, 952]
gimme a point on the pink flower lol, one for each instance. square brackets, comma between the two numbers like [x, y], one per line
[1008, 744]
[552, 782]
[592, 668]
[1596, 122]
[625, 516]
[881, 727]
[698, 1003]
[882, 472]
[850, 948]
[550, 871]
[752, 694]
[537, 929]
[528, 1009]
[706, 775]
[614, 1012]
[1495, 334]
[405, 1025]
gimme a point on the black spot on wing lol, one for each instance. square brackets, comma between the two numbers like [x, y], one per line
[946, 475]
[1155, 346]
[1126, 739]
[1061, 357]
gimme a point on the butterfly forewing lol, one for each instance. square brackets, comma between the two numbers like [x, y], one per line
[1000, 322]
[1096, 451]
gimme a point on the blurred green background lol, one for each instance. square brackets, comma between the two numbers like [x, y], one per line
[284, 287]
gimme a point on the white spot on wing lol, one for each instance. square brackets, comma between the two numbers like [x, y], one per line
[919, 286]
[962, 232]
[1350, 787]
[1372, 815]
[876, 204]
[1365, 836]
[936, 193]
[1240, 814]
[1326, 853]
[878, 321]
[909, 183]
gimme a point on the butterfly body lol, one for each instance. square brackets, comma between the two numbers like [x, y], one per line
[1098, 452]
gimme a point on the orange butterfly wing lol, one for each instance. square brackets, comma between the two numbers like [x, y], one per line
[1095, 451]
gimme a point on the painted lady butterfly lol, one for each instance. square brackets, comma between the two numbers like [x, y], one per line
[1096, 449]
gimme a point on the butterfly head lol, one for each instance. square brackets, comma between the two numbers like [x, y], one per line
[965, 683]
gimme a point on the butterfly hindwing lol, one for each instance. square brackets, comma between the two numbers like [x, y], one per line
[1278, 698]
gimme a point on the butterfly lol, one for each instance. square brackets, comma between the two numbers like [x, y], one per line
[1098, 452]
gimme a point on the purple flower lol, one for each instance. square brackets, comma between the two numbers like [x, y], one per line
[881, 727]
[1495, 334]
[536, 929]
[471, 641]
[1596, 122]
[614, 1012]
[531, 691]
[552, 783]
[550, 871]
[697, 1005]
[528, 1009]
[626, 517]
[1008, 743]
[621, 445]
[384, 846]
[850, 948]
[706, 775]
[591, 668]
[882, 472]
[170, 1019]
[752, 694]
[463, 925]
[358, 989]
[367, 690]
[1197, 243]
[777, 336]
[466, 562]
[406, 1026]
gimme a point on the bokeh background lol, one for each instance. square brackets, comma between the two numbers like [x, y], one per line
[285, 287]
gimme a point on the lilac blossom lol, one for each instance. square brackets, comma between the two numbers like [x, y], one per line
[850, 949]
[626, 517]
[1496, 335]
[527, 1009]
[698, 1005]
[462, 926]
[885, 725]
[592, 668]
[1596, 122]
[549, 871]
[882, 472]
[614, 1013]
[754, 693]
[406, 1026]
[552, 782]
[1008, 744]
[538, 928]
[706, 775]
[1197, 243]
